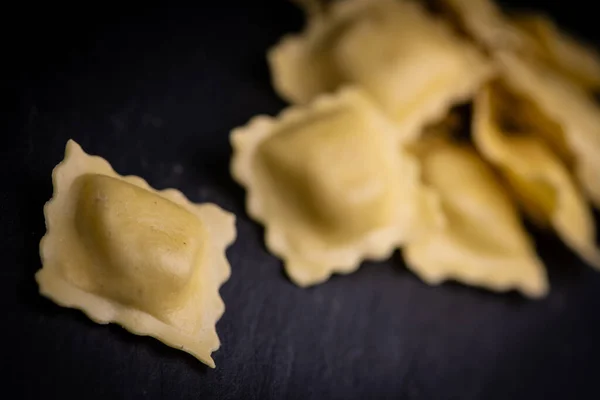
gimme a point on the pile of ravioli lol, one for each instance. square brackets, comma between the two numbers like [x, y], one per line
[367, 159]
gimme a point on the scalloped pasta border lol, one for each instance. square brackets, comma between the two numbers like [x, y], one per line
[221, 228]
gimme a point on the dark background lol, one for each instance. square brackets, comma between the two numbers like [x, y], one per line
[155, 90]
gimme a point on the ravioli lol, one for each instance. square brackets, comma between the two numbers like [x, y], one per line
[481, 241]
[569, 106]
[536, 175]
[120, 251]
[573, 58]
[328, 183]
[530, 35]
[410, 63]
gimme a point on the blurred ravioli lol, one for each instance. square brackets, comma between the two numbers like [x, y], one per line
[568, 105]
[329, 184]
[482, 241]
[410, 63]
[528, 35]
[536, 175]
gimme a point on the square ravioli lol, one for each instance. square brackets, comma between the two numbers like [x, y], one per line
[538, 178]
[412, 65]
[120, 251]
[328, 182]
[481, 240]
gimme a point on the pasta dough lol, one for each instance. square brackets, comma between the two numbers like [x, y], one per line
[481, 241]
[538, 178]
[566, 104]
[328, 183]
[412, 65]
[123, 252]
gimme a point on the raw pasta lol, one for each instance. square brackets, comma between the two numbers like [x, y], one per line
[530, 35]
[537, 176]
[566, 104]
[481, 241]
[122, 252]
[328, 182]
[412, 65]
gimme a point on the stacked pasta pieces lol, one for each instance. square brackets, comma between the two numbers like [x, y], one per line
[366, 160]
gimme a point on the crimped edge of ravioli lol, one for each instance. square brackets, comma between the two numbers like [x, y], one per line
[566, 104]
[376, 246]
[480, 275]
[291, 46]
[220, 225]
[571, 217]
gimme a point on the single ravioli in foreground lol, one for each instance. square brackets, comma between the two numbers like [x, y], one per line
[482, 241]
[409, 62]
[120, 251]
[329, 184]
[538, 177]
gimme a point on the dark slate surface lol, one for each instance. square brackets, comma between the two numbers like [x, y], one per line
[155, 91]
